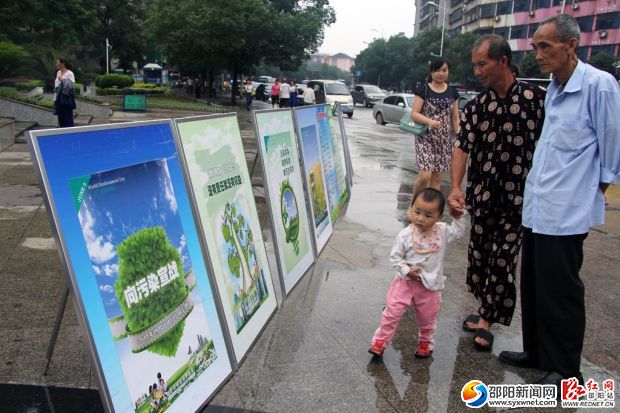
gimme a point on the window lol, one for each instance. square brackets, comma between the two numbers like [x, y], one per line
[484, 31]
[559, 2]
[532, 30]
[487, 10]
[519, 32]
[606, 49]
[454, 32]
[502, 31]
[455, 2]
[456, 15]
[399, 99]
[582, 53]
[585, 23]
[390, 100]
[521, 5]
[471, 15]
[608, 21]
[541, 4]
[504, 7]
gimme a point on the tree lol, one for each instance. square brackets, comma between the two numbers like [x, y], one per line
[604, 61]
[529, 67]
[426, 42]
[458, 52]
[372, 62]
[238, 34]
[11, 58]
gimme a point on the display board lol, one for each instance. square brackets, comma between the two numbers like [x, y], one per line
[333, 148]
[122, 217]
[215, 162]
[283, 181]
[309, 141]
[345, 145]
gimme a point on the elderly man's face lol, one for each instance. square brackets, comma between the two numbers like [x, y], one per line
[552, 54]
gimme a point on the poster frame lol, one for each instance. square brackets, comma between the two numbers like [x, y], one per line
[63, 251]
[236, 361]
[318, 243]
[269, 201]
[345, 145]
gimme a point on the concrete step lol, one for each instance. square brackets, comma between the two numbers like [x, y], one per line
[82, 120]
[20, 130]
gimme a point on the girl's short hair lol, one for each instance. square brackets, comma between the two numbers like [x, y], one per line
[431, 195]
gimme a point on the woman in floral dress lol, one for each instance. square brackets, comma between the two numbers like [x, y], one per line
[436, 105]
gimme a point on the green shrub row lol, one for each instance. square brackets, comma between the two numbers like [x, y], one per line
[128, 91]
[11, 93]
[111, 80]
[29, 85]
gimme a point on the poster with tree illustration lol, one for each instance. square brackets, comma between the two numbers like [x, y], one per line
[284, 183]
[127, 234]
[146, 280]
[314, 171]
[218, 172]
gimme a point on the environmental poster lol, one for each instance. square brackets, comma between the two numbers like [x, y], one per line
[332, 150]
[219, 177]
[310, 145]
[127, 229]
[284, 184]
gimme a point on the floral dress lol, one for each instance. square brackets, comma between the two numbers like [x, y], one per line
[434, 149]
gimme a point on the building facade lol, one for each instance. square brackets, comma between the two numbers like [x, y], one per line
[341, 60]
[517, 20]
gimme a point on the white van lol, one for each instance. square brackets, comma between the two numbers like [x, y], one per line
[332, 91]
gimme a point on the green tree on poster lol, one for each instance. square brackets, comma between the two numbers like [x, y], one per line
[240, 239]
[139, 255]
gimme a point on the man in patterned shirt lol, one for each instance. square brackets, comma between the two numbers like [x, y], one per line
[499, 130]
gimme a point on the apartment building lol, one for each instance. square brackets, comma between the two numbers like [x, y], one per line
[517, 20]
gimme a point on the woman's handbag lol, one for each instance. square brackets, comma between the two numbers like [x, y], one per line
[408, 125]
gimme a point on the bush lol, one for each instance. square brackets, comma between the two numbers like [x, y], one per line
[29, 85]
[112, 80]
[11, 93]
[128, 91]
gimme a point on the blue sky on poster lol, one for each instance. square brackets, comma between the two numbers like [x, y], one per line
[108, 216]
[359, 21]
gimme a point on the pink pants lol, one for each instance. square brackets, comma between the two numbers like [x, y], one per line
[402, 295]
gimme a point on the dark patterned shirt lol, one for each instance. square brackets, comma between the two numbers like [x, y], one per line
[500, 136]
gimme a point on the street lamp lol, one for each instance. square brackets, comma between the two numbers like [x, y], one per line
[443, 23]
[107, 56]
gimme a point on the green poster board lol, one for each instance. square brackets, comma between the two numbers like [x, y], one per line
[134, 102]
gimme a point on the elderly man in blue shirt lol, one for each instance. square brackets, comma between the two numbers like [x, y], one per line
[577, 157]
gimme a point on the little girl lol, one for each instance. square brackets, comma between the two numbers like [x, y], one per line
[418, 254]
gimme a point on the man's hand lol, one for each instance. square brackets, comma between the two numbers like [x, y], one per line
[415, 274]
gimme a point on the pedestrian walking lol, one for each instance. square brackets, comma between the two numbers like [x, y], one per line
[64, 93]
[198, 87]
[309, 96]
[436, 105]
[248, 93]
[418, 255]
[499, 130]
[285, 94]
[577, 157]
[293, 94]
[275, 94]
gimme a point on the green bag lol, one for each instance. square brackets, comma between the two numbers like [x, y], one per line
[408, 125]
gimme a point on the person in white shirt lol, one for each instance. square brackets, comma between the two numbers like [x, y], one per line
[64, 93]
[309, 98]
[418, 255]
[285, 94]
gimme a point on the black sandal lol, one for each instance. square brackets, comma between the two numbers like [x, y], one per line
[485, 335]
[472, 318]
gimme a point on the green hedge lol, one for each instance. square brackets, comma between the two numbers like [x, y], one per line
[29, 85]
[11, 93]
[112, 80]
[128, 91]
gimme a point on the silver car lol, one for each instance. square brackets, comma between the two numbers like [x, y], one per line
[392, 108]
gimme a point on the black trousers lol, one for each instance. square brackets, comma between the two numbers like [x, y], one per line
[65, 115]
[552, 300]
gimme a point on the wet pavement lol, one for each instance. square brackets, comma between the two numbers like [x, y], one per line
[312, 356]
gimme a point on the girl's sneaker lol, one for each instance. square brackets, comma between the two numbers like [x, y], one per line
[377, 348]
[423, 350]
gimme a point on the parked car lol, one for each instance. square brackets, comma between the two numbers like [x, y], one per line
[367, 95]
[392, 108]
[332, 91]
[465, 97]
